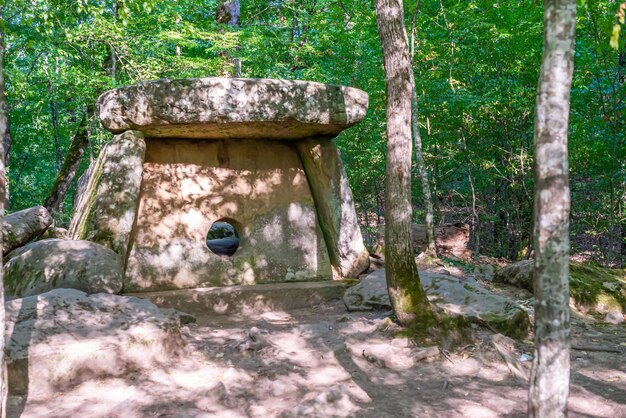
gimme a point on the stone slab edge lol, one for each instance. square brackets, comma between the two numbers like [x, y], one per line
[213, 108]
[334, 204]
[233, 300]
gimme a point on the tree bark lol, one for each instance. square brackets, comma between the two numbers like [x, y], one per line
[405, 289]
[54, 114]
[3, 186]
[228, 13]
[70, 165]
[549, 384]
[431, 248]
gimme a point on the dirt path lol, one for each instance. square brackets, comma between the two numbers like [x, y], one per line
[326, 362]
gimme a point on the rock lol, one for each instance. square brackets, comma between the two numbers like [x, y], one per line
[450, 239]
[64, 337]
[335, 206]
[219, 108]
[614, 317]
[54, 232]
[223, 246]
[280, 388]
[369, 294]
[427, 353]
[593, 289]
[19, 228]
[105, 212]
[485, 271]
[182, 318]
[332, 402]
[455, 297]
[518, 274]
[54, 263]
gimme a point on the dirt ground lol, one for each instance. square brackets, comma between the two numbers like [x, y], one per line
[327, 362]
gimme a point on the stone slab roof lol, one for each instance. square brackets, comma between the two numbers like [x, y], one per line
[220, 108]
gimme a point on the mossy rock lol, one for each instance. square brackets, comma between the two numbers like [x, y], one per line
[593, 288]
[596, 289]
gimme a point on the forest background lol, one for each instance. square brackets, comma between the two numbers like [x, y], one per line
[476, 65]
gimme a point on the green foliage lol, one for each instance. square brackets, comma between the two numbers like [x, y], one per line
[476, 64]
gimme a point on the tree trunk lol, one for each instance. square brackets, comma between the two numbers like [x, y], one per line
[405, 289]
[70, 165]
[54, 114]
[228, 13]
[113, 56]
[7, 129]
[3, 183]
[431, 249]
[549, 384]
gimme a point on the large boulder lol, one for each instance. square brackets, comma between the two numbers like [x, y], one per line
[64, 337]
[455, 297]
[105, 211]
[21, 227]
[518, 274]
[220, 108]
[334, 205]
[55, 263]
[593, 289]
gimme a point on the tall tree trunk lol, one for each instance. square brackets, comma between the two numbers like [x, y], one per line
[7, 130]
[4, 110]
[228, 13]
[113, 56]
[549, 384]
[54, 113]
[405, 289]
[475, 219]
[70, 165]
[431, 249]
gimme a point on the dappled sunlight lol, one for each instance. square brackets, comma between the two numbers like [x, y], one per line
[263, 363]
[188, 185]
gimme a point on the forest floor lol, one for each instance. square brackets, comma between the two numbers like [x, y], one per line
[328, 362]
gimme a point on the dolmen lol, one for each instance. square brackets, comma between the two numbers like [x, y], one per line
[256, 154]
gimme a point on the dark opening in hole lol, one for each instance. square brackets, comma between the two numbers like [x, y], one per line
[222, 238]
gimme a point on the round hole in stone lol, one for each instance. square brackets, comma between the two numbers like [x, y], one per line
[222, 238]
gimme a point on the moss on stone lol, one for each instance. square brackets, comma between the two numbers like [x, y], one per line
[445, 330]
[597, 289]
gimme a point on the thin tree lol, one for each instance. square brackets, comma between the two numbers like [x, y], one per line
[549, 384]
[431, 249]
[228, 12]
[74, 155]
[405, 289]
[4, 109]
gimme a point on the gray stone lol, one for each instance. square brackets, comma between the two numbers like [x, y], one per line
[614, 317]
[369, 294]
[332, 402]
[219, 108]
[246, 301]
[455, 297]
[64, 337]
[54, 232]
[518, 274]
[53, 263]
[19, 228]
[105, 212]
[335, 206]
